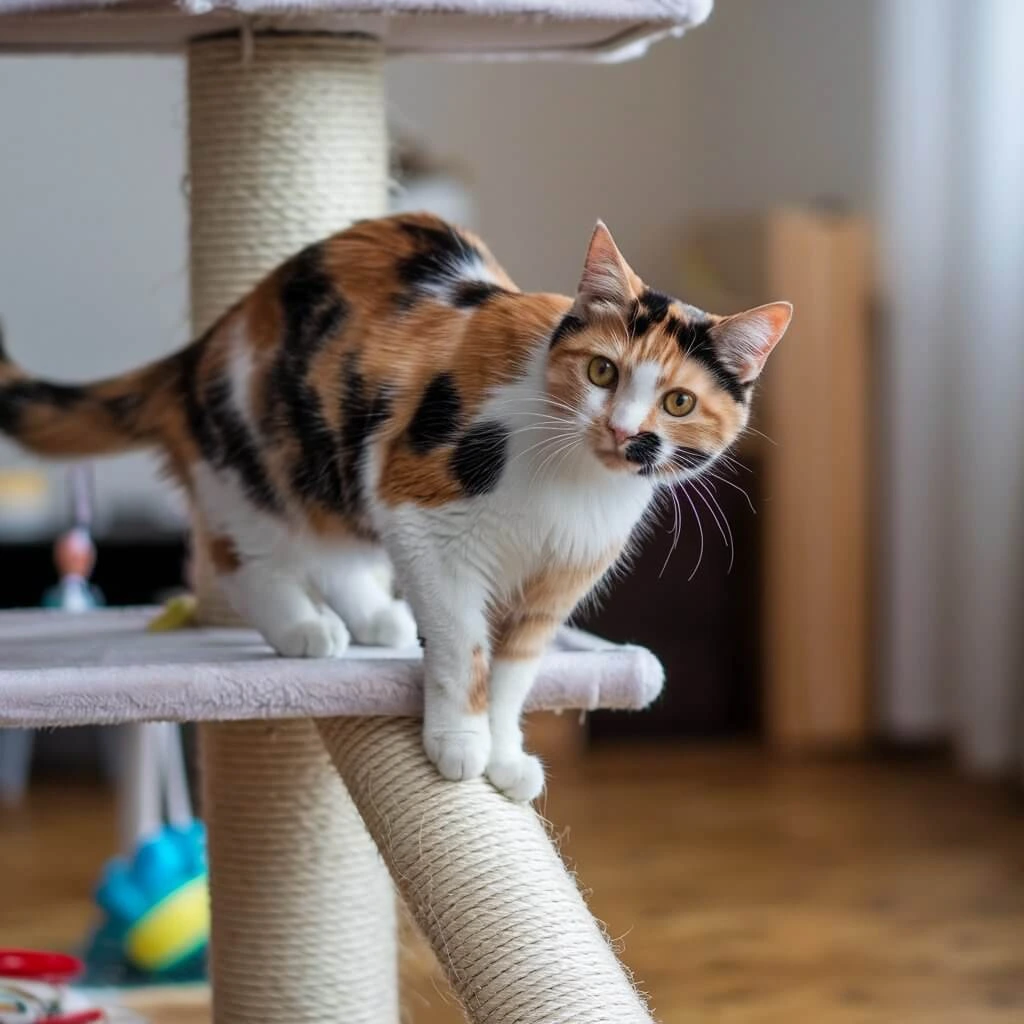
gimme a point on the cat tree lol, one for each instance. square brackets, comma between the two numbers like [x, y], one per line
[287, 143]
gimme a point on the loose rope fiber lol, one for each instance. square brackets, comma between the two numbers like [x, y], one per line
[287, 145]
[484, 883]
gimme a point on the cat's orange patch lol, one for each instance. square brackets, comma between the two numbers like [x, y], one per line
[224, 555]
[523, 625]
[476, 700]
[424, 479]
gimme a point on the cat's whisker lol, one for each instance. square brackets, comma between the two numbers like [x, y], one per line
[566, 452]
[714, 514]
[735, 487]
[535, 426]
[760, 433]
[555, 459]
[700, 527]
[677, 528]
[549, 442]
[730, 541]
[553, 403]
[555, 454]
[551, 439]
[733, 463]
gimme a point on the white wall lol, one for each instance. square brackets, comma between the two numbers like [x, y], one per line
[92, 217]
[93, 271]
[769, 101]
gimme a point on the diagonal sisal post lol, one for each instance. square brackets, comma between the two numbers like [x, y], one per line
[287, 144]
[485, 884]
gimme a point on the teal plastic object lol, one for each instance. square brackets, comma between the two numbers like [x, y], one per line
[156, 909]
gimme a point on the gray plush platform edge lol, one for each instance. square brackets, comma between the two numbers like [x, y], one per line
[599, 30]
[60, 669]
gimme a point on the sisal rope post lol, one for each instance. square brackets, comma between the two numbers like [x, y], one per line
[287, 145]
[484, 883]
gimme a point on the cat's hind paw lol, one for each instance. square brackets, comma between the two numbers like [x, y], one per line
[520, 778]
[323, 637]
[392, 626]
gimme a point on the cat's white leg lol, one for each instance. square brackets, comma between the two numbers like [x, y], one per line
[449, 603]
[278, 604]
[511, 769]
[262, 571]
[356, 587]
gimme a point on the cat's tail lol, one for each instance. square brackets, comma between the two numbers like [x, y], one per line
[102, 418]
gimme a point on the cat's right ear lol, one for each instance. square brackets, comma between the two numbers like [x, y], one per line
[608, 284]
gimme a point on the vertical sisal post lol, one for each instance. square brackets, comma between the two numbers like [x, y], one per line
[485, 884]
[287, 145]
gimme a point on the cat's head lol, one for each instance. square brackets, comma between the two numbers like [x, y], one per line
[657, 387]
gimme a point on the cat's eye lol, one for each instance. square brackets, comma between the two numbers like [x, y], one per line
[602, 372]
[680, 403]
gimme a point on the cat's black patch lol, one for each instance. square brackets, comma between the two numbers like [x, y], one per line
[644, 449]
[436, 420]
[479, 457]
[235, 447]
[675, 328]
[689, 458]
[363, 410]
[19, 395]
[655, 304]
[222, 435]
[124, 410]
[475, 293]
[639, 320]
[188, 388]
[695, 342]
[569, 324]
[313, 314]
[440, 257]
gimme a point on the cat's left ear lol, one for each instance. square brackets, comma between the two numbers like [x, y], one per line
[608, 284]
[745, 340]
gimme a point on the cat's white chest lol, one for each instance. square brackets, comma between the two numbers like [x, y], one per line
[573, 519]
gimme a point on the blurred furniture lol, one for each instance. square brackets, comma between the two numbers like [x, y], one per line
[287, 143]
[815, 407]
[693, 597]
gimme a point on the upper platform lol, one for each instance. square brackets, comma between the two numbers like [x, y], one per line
[486, 29]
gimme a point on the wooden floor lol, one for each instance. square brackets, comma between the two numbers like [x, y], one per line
[742, 888]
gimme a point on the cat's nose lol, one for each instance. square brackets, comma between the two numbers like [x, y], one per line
[621, 434]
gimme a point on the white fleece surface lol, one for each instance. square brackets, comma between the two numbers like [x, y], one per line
[600, 30]
[103, 668]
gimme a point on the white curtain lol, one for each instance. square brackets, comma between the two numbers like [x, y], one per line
[951, 185]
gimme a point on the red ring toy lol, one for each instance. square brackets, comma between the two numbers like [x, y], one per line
[29, 964]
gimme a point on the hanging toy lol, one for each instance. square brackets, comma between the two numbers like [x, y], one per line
[75, 553]
[75, 558]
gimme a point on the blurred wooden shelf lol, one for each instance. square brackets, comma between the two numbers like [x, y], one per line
[815, 405]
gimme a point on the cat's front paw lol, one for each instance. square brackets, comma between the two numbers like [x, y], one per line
[520, 778]
[458, 755]
[392, 626]
[324, 637]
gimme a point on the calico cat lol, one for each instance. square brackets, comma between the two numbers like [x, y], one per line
[389, 394]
